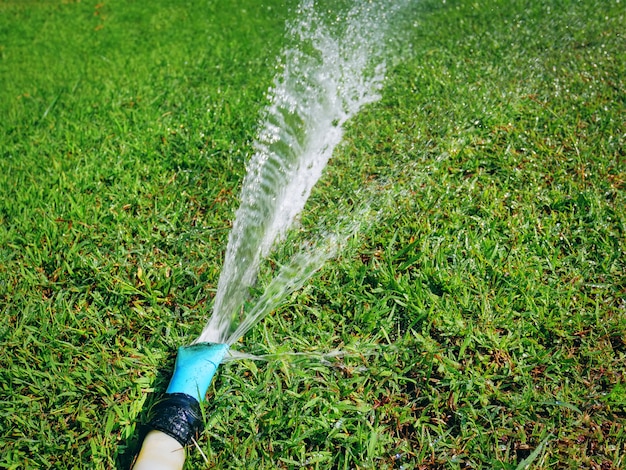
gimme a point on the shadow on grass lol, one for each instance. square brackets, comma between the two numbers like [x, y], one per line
[128, 450]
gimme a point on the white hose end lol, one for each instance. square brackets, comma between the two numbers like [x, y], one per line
[160, 452]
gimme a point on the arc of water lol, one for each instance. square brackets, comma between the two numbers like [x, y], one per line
[325, 80]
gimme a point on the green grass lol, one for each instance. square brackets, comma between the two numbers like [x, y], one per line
[485, 315]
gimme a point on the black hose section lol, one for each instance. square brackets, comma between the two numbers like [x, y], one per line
[179, 416]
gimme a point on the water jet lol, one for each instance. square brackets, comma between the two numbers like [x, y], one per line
[331, 71]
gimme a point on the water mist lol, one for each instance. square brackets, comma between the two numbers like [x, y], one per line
[330, 70]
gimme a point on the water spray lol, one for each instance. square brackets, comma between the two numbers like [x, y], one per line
[330, 73]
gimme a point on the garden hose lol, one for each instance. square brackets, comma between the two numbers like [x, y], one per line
[176, 419]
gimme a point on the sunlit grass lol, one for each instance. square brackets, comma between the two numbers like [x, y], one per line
[483, 316]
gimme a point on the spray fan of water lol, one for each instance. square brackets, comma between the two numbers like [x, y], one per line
[333, 69]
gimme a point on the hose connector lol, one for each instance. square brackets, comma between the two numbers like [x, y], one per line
[179, 416]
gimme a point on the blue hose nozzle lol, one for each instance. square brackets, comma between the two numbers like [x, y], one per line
[178, 413]
[195, 367]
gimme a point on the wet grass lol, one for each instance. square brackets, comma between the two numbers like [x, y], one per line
[484, 317]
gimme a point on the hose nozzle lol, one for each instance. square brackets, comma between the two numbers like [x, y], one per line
[177, 419]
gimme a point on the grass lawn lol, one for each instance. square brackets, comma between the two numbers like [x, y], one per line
[483, 318]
